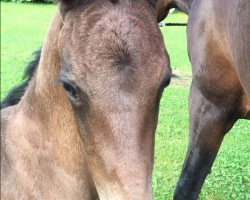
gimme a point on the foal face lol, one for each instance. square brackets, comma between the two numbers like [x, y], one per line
[114, 67]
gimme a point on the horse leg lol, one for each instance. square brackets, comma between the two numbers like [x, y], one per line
[208, 125]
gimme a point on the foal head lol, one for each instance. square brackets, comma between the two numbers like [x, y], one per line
[114, 67]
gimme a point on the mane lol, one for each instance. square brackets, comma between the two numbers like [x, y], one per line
[15, 94]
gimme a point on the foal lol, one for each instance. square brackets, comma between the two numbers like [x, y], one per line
[85, 125]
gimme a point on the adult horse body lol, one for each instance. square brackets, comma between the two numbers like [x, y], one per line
[95, 139]
[218, 35]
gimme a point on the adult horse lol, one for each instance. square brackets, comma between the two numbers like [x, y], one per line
[85, 125]
[218, 35]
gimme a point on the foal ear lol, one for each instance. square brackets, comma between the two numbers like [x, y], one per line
[66, 5]
[162, 7]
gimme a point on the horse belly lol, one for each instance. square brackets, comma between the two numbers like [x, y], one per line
[239, 40]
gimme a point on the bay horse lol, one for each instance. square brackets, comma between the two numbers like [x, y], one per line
[218, 35]
[84, 128]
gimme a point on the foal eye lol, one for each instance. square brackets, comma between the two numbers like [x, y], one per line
[72, 91]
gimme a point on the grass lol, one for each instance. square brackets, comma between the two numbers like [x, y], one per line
[23, 29]
[230, 174]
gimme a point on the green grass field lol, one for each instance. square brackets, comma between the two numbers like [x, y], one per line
[23, 27]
